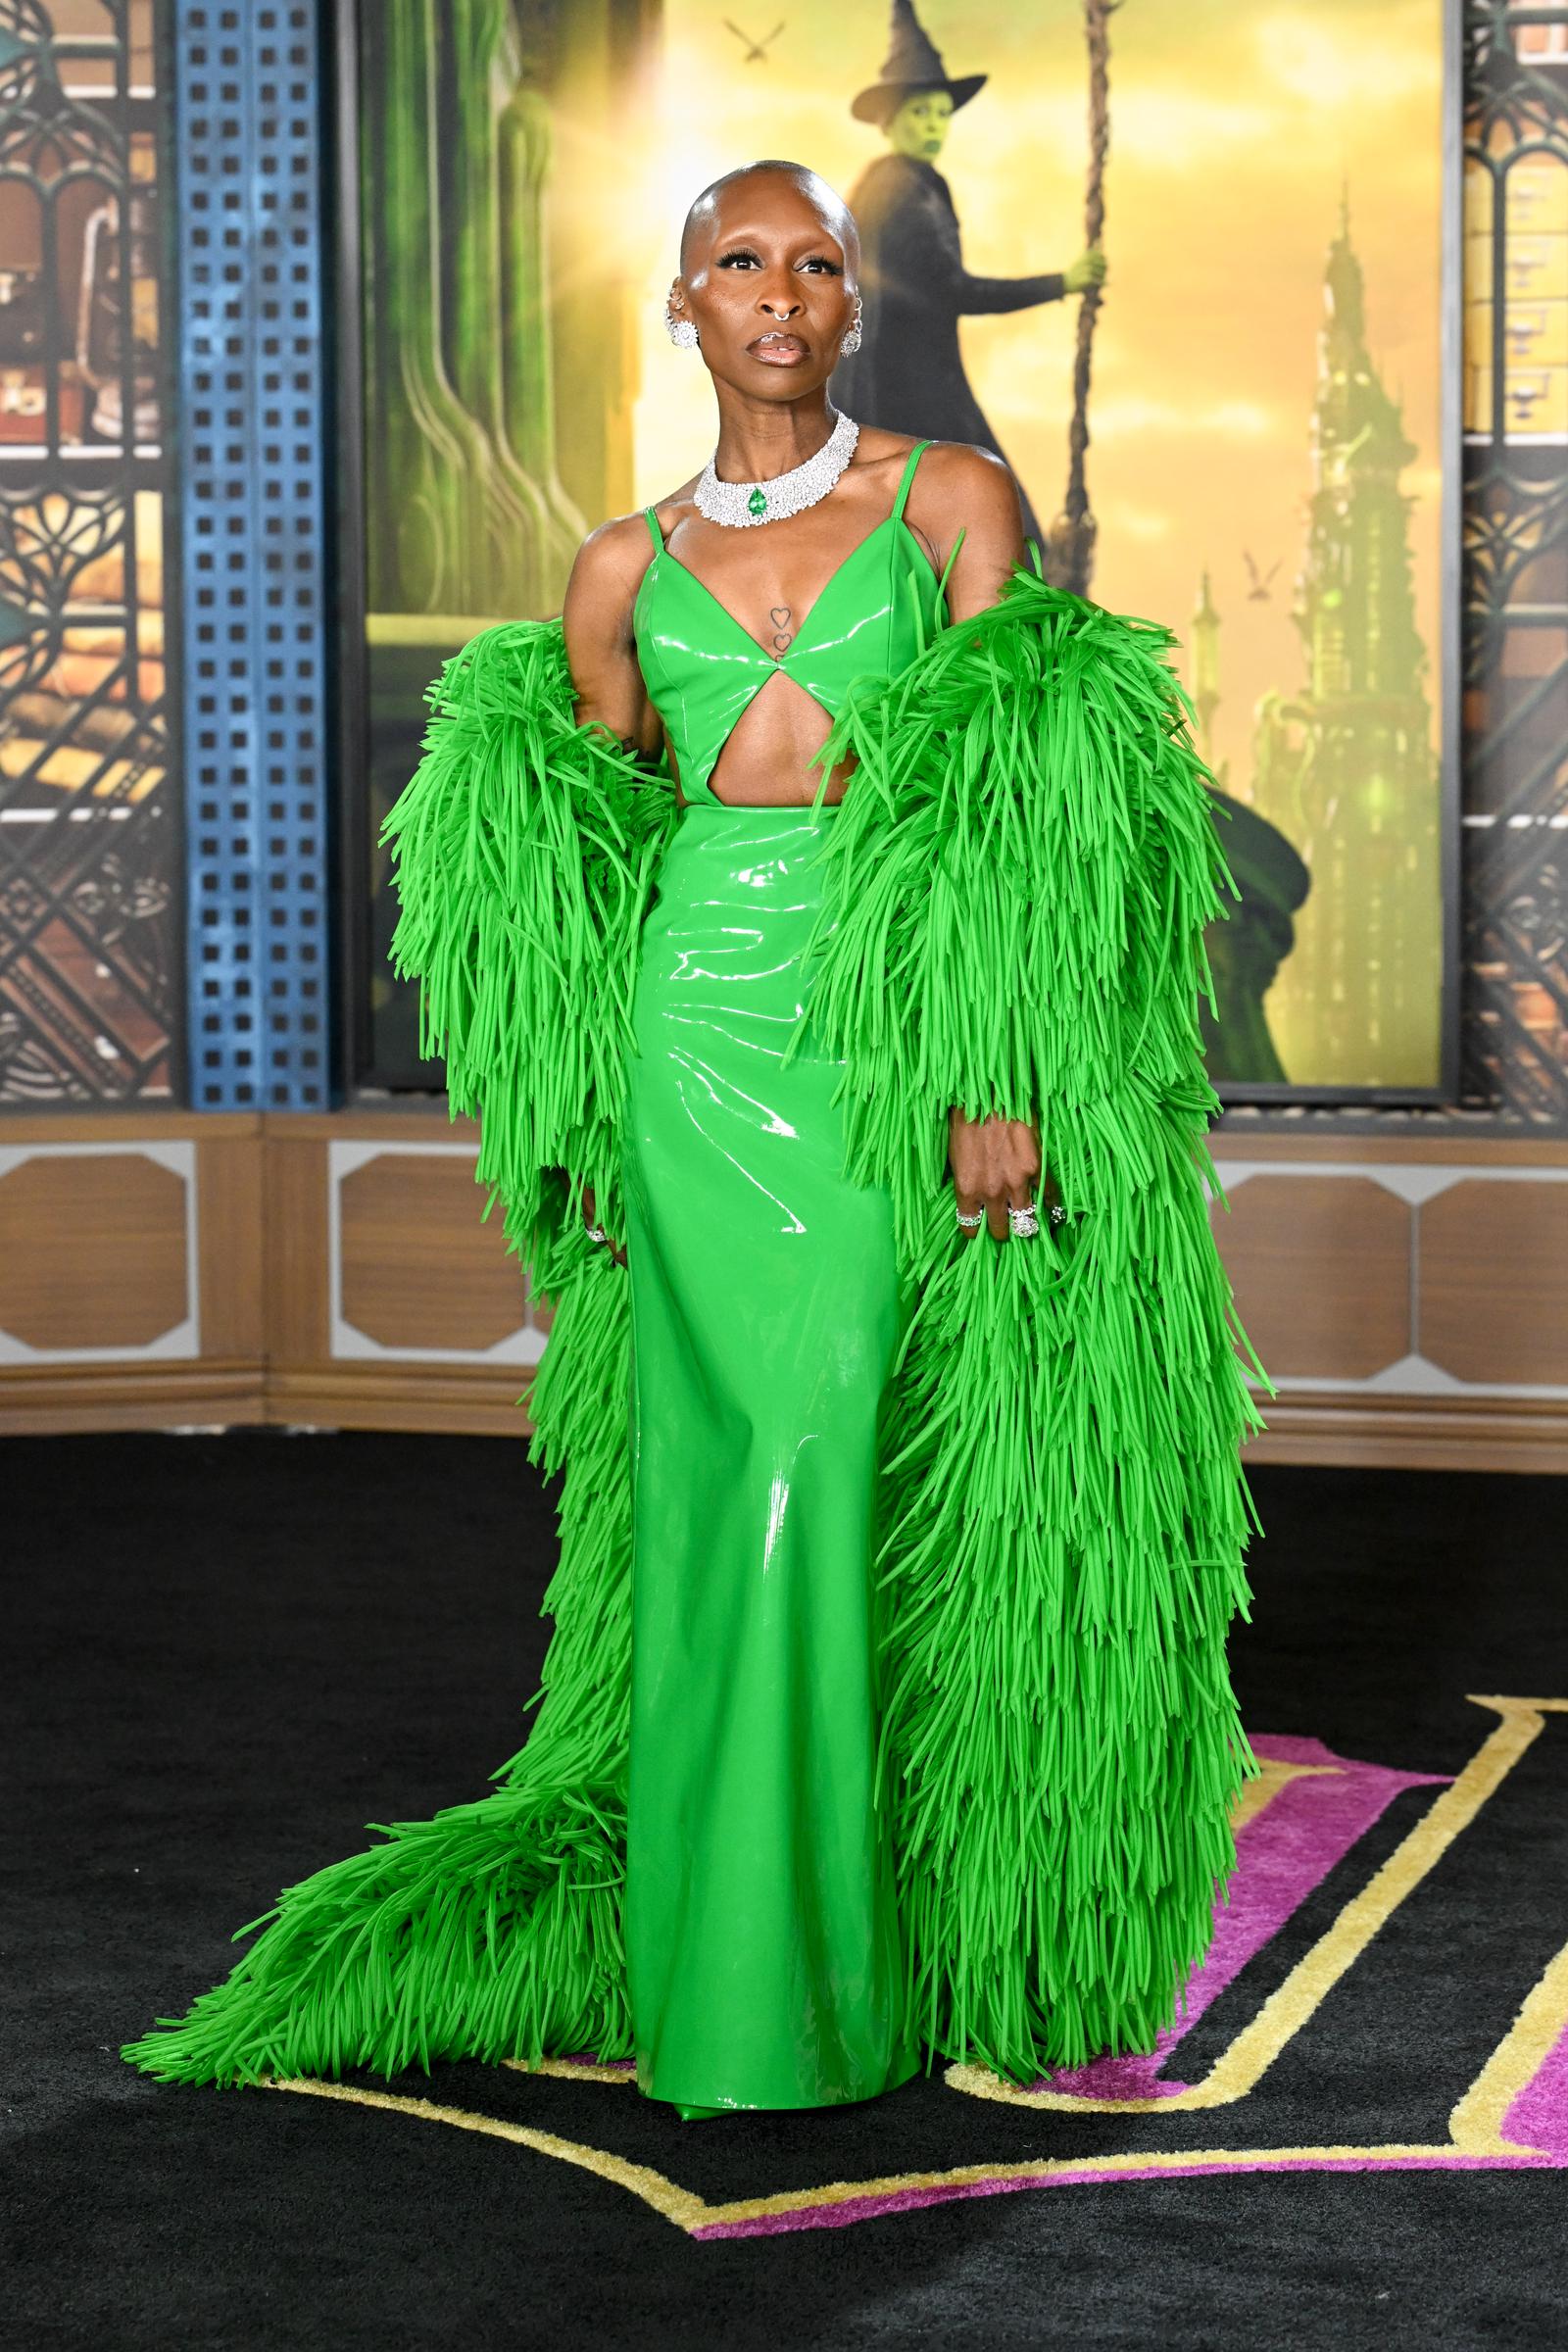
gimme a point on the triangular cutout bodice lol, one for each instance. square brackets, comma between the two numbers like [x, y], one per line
[702, 668]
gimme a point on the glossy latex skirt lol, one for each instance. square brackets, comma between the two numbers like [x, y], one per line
[764, 1958]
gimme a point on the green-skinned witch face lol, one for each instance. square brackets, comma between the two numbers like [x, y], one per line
[919, 126]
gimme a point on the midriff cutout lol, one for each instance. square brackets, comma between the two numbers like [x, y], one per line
[768, 751]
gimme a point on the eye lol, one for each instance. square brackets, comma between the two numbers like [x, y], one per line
[742, 254]
[819, 261]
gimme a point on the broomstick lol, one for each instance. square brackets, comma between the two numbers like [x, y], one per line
[1070, 540]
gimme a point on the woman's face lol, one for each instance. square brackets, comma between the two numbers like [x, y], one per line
[769, 286]
[919, 126]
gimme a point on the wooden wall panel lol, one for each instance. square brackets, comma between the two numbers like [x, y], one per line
[418, 1268]
[384, 1295]
[230, 1258]
[1411, 1301]
[130, 1267]
[298, 1287]
[93, 1249]
[1494, 1282]
[1321, 1270]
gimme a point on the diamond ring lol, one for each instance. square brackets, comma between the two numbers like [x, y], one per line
[1023, 1223]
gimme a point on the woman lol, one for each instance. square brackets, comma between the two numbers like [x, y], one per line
[909, 1731]
[909, 369]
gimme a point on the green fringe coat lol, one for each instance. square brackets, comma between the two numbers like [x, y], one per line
[1019, 880]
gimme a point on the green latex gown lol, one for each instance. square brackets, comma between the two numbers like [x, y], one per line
[764, 1966]
[761, 1939]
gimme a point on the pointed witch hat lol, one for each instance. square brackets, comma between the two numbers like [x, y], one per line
[912, 63]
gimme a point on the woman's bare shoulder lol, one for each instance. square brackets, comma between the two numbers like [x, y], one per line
[606, 573]
[616, 550]
[961, 488]
[966, 504]
[619, 550]
[968, 477]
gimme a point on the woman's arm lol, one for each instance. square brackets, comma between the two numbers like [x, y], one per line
[601, 656]
[595, 623]
[968, 499]
[971, 501]
[922, 254]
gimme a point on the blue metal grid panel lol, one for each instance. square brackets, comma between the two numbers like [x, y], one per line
[252, 391]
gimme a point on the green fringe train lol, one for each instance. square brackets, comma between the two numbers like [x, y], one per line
[525, 850]
[1019, 883]
[1024, 866]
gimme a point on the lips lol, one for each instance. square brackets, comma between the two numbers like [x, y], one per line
[778, 351]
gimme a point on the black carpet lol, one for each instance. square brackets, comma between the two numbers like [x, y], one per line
[225, 1654]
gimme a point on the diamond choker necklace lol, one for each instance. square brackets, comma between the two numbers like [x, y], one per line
[743, 504]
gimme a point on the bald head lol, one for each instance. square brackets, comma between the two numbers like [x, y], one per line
[829, 207]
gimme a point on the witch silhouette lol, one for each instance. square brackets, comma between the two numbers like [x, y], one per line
[909, 374]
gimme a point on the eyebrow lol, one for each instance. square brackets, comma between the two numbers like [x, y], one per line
[751, 236]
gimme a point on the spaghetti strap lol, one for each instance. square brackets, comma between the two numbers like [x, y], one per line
[909, 476]
[657, 534]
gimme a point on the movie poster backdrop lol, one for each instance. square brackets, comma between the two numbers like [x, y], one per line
[1265, 398]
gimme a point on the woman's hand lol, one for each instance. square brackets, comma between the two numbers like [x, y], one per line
[616, 1249]
[996, 1166]
[1089, 270]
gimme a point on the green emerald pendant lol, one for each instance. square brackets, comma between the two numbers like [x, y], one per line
[757, 504]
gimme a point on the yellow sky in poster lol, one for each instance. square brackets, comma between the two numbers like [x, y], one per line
[1233, 124]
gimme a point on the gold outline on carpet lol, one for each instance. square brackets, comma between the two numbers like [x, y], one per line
[677, 2205]
[692, 2212]
[1239, 2069]
[1476, 2122]
[574, 2070]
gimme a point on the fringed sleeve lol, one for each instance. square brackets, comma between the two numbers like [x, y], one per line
[525, 847]
[1021, 872]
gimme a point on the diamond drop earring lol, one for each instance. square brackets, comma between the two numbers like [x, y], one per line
[681, 332]
[852, 341]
